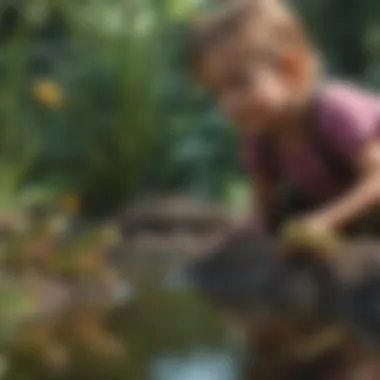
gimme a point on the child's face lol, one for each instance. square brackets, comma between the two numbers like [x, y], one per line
[250, 88]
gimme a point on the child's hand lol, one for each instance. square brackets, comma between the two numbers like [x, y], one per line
[309, 233]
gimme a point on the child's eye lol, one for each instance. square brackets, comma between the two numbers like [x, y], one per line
[239, 80]
[231, 83]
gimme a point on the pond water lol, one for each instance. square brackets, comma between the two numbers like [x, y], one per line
[175, 335]
[201, 364]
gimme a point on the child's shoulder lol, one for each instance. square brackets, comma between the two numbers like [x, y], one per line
[337, 97]
[347, 114]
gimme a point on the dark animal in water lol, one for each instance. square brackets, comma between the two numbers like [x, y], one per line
[247, 275]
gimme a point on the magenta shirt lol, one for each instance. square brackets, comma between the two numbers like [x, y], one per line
[346, 118]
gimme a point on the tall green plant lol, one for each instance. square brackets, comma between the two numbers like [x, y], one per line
[18, 140]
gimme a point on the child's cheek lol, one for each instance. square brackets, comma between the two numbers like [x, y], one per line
[268, 101]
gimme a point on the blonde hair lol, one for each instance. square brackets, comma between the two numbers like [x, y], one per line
[273, 18]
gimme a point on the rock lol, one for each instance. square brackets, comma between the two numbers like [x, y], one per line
[248, 277]
[172, 224]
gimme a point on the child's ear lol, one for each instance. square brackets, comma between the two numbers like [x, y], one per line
[293, 64]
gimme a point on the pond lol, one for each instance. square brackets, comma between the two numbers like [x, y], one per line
[174, 334]
[201, 364]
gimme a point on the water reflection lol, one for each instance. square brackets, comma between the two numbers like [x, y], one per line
[173, 334]
[201, 364]
[176, 278]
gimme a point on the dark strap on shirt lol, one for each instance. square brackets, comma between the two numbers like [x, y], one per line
[340, 168]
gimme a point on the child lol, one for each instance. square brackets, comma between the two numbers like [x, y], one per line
[319, 138]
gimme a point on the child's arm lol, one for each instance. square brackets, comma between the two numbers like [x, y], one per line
[262, 188]
[362, 197]
[349, 120]
[262, 203]
[317, 229]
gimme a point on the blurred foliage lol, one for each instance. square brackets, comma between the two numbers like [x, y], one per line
[57, 290]
[105, 94]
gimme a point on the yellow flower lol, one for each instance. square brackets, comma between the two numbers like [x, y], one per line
[48, 93]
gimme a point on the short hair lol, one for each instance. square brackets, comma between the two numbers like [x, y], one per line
[272, 17]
